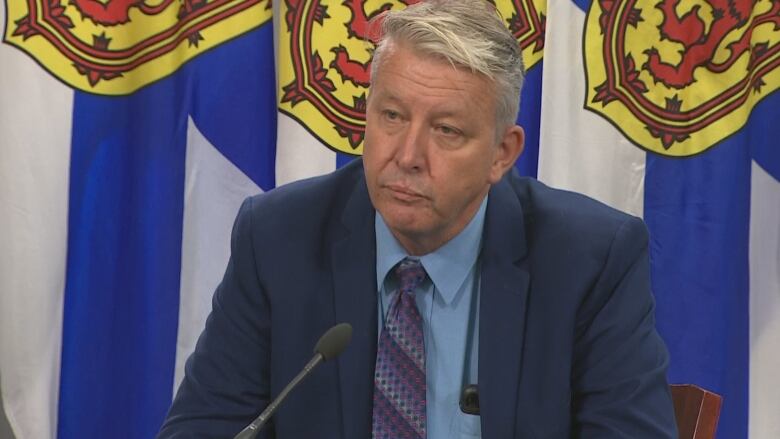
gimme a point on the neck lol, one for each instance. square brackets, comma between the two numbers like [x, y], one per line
[420, 246]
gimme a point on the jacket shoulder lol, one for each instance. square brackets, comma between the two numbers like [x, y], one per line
[308, 204]
[573, 218]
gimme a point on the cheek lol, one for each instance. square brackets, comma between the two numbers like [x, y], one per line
[373, 170]
[461, 172]
[370, 152]
[377, 153]
[456, 183]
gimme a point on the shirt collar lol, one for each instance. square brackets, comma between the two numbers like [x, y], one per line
[447, 266]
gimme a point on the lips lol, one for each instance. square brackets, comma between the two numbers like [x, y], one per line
[403, 193]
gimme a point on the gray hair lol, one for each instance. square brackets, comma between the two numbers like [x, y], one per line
[468, 34]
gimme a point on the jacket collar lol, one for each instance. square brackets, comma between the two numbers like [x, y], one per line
[504, 283]
[354, 284]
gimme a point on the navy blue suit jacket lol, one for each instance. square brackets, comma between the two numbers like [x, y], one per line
[567, 342]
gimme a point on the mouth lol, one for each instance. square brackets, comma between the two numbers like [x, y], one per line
[403, 193]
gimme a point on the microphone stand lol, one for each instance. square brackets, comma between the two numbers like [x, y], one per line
[252, 429]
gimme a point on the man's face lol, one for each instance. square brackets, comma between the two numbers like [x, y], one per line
[431, 150]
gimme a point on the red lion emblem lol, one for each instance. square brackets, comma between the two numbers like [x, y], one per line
[708, 65]
[699, 46]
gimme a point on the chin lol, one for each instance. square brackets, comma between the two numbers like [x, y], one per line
[402, 223]
[407, 223]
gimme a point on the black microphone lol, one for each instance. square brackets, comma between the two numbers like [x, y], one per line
[469, 400]
[330, 345]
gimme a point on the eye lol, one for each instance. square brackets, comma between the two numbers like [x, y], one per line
[448, 130]
[391, 115]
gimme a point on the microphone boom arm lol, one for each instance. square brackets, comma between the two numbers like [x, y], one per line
[252, 429]
[329, 346]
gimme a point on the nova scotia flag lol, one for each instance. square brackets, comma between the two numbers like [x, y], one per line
[714, 215]
[115, 224]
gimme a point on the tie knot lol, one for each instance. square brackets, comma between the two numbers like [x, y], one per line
[410, 275]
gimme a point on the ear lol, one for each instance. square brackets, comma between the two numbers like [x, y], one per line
[508, 150]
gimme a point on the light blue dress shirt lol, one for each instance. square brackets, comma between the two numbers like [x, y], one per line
[448, 302]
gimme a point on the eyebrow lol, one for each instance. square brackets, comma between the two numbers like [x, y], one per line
[388, 96]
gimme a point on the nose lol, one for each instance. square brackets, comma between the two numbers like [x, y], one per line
[411, 154]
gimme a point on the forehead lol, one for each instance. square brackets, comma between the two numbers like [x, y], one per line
[408, 75]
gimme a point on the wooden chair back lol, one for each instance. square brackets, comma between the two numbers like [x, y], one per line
[696, 411]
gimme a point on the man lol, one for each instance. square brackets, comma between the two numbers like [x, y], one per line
[451, 272]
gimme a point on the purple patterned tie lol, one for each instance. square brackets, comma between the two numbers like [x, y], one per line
[399, 379]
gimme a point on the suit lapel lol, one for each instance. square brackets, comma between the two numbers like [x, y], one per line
[503, 293]
[354, 282]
